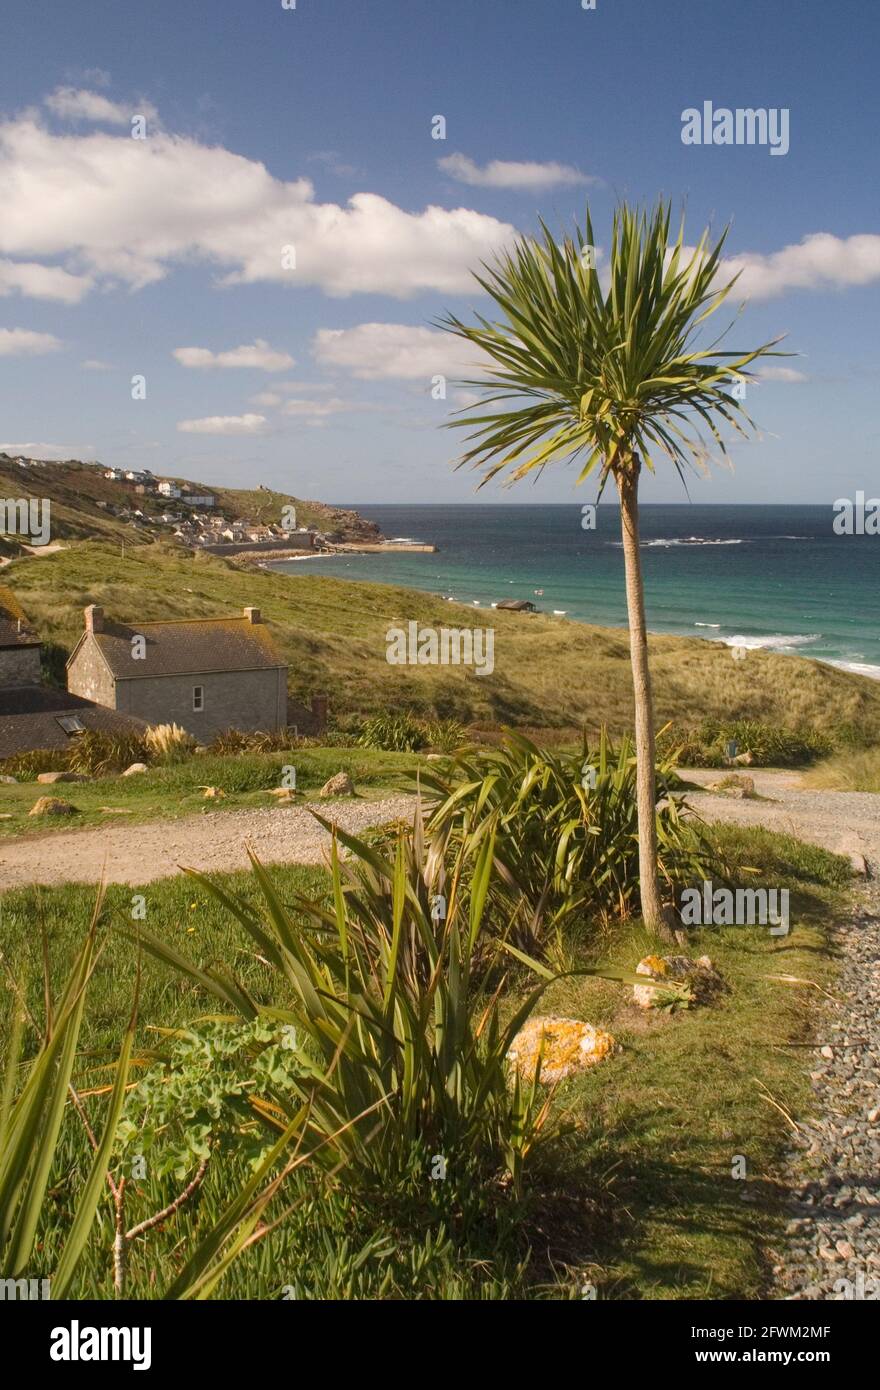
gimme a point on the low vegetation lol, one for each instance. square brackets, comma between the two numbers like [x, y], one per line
[550, 674]
[764, 745]
[348, 996]
[855, 771]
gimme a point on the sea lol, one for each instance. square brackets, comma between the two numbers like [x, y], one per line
[775, 577]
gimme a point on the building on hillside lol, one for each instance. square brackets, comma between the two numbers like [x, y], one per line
[198, 499]
[19, 644]
[113, 475]
[168, 488]
[517, 605]
[38, 716]
[207, 674]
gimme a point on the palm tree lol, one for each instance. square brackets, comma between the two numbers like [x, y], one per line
[612, 378]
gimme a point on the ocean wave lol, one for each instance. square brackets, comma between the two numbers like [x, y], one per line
[707, 624]
[858, 668]
[775, 642]
[666, 542]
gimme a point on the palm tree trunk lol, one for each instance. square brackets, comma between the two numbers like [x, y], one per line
[627, 479]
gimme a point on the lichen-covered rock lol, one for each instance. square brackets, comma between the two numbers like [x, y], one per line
[49, 777]
[134, 769]
[564, 1045]
[51, 806]
[690, 981]
[339, 785]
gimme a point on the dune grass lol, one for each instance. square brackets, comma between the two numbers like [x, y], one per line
[549, 673]
[855, 771]
[639, 1200]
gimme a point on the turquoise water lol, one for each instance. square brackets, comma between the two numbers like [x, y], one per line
[774, 577]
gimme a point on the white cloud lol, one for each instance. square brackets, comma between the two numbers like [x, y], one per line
[395, 351]
[77, 104]
[503, 173]
[94, 364]
[786, 374]
[266, 398]
[223, 424]
[130, 210]
[42, 281]
[21, 342]
[819, 262]
[257, 354]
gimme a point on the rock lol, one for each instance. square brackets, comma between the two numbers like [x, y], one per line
[873, 1116]
[63, 777]
[565, 1046]
[201, 748]
[7, 815]
[744, 759]
[283, 795]
[340, 785]
[135, 768]
[211, 793]
[9, 781]
[827, 1051]
[51, 806]
[694, 981]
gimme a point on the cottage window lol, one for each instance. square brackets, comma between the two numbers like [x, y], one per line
[198, 697]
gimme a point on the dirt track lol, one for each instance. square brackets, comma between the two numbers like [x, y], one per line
[211, 842]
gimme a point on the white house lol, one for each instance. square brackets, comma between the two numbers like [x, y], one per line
[168, 488]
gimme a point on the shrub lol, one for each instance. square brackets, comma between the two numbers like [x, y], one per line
[259, 741]
[27, 766]
[97, 753]
[706, 745]
[395, 733]
[397, 1056]
[445, 735]
[168, 742]
[567, 840]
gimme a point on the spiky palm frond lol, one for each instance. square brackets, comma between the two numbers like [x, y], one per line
[600, 375]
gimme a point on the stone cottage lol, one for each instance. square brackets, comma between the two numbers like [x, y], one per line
[33, 715]
[206, 674]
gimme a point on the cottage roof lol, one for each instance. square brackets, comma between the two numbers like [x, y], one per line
[15, 630]
[29, 716]
[187, 647]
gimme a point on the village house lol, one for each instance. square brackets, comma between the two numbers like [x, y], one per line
[168, 488]
[206, 674]
[199, 499]
[33, 715]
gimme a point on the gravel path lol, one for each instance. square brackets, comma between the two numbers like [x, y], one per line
[845, 822]
[832, 1242]
[832, 1247]
[214, 841]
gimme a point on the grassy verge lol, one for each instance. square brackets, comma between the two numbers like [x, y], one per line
[169, 792]
[858, 771]
[639, 1199]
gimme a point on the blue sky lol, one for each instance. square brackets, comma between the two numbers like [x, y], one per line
[269, 128]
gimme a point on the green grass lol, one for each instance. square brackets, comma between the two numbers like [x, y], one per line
[549, 673]
[168, 792]
[638, 1199]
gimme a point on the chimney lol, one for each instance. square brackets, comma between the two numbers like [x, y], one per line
[94, 618]
[253, 615]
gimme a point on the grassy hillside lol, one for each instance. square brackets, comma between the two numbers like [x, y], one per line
[548, 673]
[75, 490]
